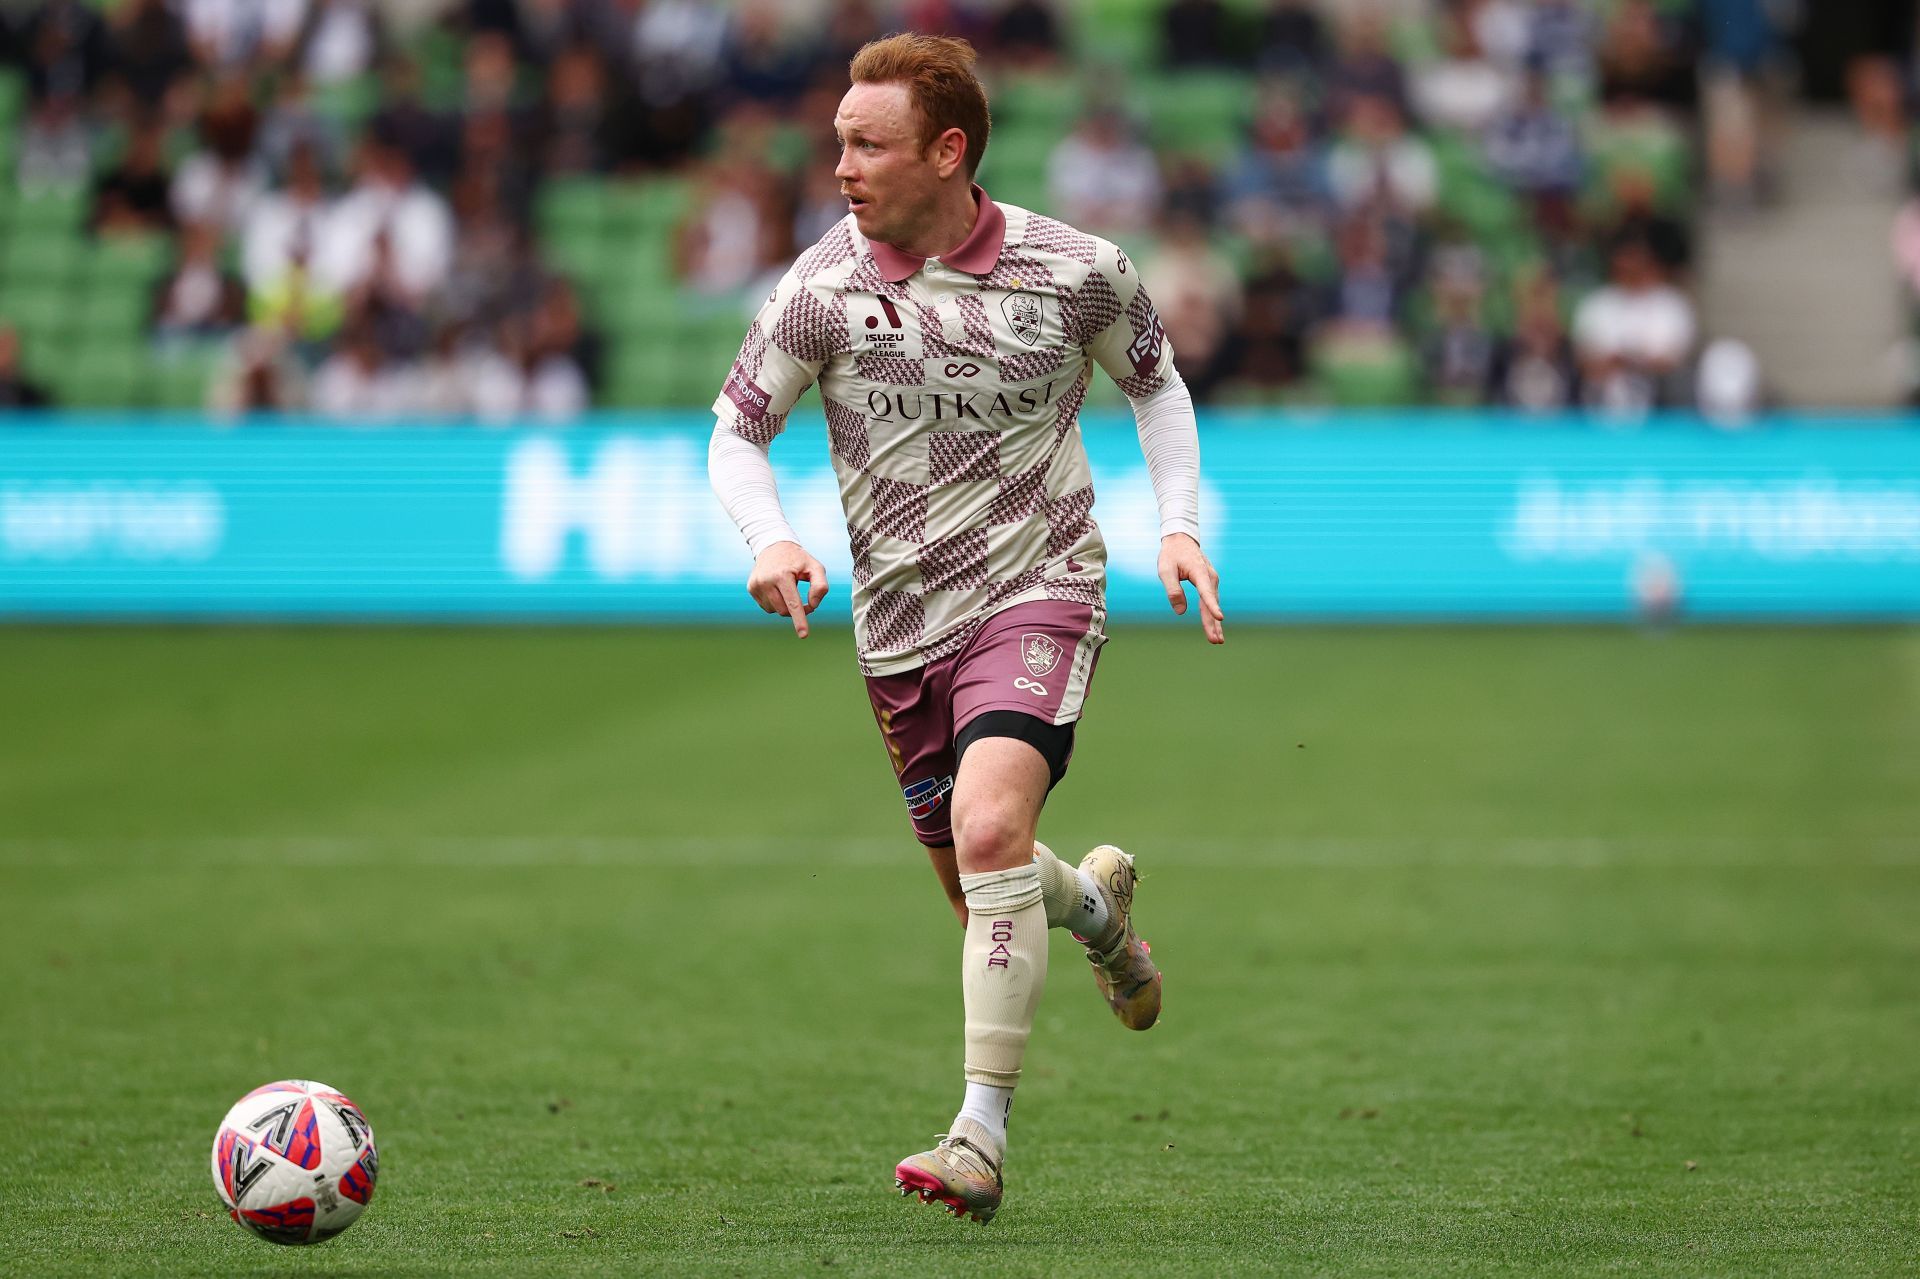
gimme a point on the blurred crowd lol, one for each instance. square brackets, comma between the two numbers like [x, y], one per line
[1462, 202]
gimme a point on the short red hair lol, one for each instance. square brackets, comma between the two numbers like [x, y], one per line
[938, 73]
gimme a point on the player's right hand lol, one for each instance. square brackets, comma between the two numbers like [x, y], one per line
[775, 583]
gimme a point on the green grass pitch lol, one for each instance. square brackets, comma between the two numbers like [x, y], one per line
[1507, 952]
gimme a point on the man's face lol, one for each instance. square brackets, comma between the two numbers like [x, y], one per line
[889, 179]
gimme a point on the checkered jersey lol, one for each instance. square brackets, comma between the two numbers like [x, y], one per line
[952, 404]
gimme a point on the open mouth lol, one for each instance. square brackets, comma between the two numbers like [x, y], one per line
[855, 203]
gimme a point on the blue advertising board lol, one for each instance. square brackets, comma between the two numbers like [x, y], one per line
[1402, 516]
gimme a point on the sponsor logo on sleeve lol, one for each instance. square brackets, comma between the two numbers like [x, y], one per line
[748, 398]
[1145, 351]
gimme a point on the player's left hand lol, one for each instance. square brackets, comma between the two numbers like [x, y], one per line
[1182, 560]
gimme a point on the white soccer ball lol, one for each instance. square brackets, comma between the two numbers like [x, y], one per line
[294, 1161]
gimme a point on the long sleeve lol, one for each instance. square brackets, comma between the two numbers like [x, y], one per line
[1170, 439]
[742, 478]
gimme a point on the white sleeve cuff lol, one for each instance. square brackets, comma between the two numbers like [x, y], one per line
[742, 478]
[1170, 439]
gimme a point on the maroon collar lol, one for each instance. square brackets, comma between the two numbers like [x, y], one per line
[976, 255]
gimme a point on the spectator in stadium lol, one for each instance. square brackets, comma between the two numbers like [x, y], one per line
[527, 376]
[65, 48]
[388, 303]
[284, 243]
[1024, 34]
[1636, 211]
[1196, 290]
[1535, 151]
[1503, 28]
[199, 298]
[584, 129]
[764, 60]
[1727, 386]
[338, 40]
[360, 383]
[1559, 41]
[736, 230]
[1463, 90]
[1377, 163]
[1365, 67]
[1646, 60]
[220, 181]
[241, 33]
[1635, 333]
[258, 375]
[428, 138]
[17, 390]
[1459, 352]
[1289, 40]
[1366, 297]
[1200, 33]
[1263, 356]
[1279, 181]
[56, 147]
[676, 49]
[1103, 177]
[131, 199]
[491, 90]
[559, 328]
[1534, 370]
[147, 50]
[388, 200]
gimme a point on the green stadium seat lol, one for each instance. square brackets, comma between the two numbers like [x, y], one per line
[181, 378]
[572, 208]
[106, 376]
[657, 205]
[51, 209]
[33, 256]
[113, 313]
[1367, 373]
[580, 257]
[13, 98]
[41, 311]
[128, 262]
[1039, 102]
[1122, 34]
[1197, 113]
[347, 102]
[639, 374]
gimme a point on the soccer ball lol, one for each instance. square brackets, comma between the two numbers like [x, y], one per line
[294, 1161]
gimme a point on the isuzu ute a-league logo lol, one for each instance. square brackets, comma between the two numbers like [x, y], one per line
[1041, 654]
[1022, 310]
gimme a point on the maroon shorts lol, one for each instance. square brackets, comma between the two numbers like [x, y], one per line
[1034, 658]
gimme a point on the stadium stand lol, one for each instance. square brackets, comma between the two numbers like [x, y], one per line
[501, 208]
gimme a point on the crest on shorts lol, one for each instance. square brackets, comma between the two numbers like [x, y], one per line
[1022, 310]
[1041, 653]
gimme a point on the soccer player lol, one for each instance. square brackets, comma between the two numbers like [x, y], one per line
[953, 339]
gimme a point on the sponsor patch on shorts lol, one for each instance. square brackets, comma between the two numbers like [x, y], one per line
[924, 797]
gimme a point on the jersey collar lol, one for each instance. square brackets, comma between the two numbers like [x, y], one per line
[976, 255]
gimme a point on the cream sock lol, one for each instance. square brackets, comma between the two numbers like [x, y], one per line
[1003, 970]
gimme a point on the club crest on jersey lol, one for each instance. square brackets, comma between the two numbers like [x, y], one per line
[1041, 653]
[1022, 310]
[924, 797]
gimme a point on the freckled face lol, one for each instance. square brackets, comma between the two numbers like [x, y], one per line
[889, 179]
